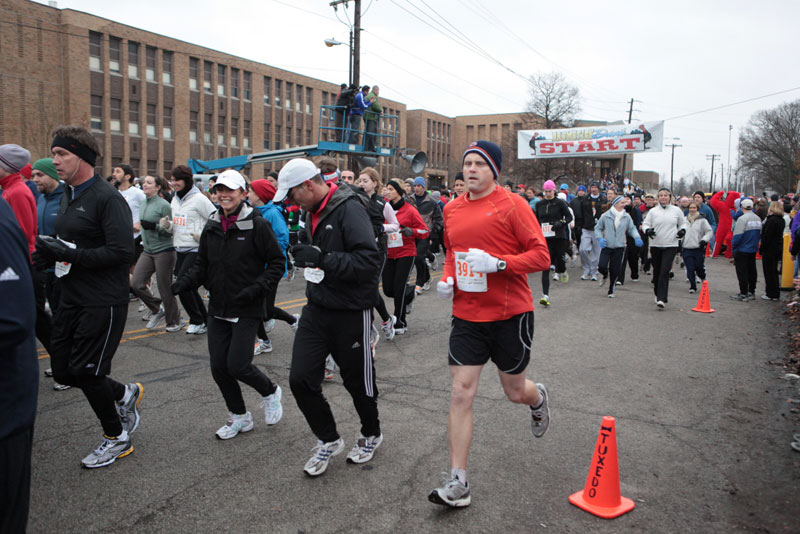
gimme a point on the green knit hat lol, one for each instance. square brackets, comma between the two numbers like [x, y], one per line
[46, 166]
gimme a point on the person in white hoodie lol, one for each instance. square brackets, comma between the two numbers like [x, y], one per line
[190, 212]
[698, 234]
[665, 225]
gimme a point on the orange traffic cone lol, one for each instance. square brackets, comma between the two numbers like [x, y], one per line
[708, 250]
[704, 301]
[600, 496]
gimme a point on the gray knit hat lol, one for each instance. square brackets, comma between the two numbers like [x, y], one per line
[13, 158]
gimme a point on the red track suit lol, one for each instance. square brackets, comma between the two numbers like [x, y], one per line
[503, 225]
[725, 222]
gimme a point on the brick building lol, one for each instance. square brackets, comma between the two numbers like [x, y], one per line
[154, 102]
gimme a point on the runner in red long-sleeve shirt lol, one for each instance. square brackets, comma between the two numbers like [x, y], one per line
[493, 241]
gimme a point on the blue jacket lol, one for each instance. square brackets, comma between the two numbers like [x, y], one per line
[746, 233]
[274, 216]
[360, 106]
[47, 209]
[615, 235]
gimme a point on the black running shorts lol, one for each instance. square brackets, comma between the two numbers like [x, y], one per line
[85, 339]
[507, 343]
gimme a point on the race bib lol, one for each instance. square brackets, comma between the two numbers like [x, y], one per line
[313, 274]
[547, 230]
[467, 279]
[179, 223]
[394, 239]
[63, 267]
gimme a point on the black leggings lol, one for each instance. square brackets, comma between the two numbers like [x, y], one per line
[556, 247]
[380, 305]
[190, 299]
[395, 285]
[230, 348]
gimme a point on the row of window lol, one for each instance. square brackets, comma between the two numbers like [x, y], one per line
[134, 59]
[293, 137]
[222, 77]
[115, 117]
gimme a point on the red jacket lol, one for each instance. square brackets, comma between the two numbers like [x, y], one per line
[408, 217]
[21, 200]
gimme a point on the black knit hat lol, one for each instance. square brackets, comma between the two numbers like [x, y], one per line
[488, 151]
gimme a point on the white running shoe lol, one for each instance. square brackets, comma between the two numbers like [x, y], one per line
[388, 328]
[262, 346]
[555, 276]
[453, 493]
[109, 451]
[364, 449]
[322, 454]
[426, 286]
[296, 324]
[545, 300]
[147, 314]
[269, 326]
[236, 424]
[177, 326]
[156, 318]
[273, 410]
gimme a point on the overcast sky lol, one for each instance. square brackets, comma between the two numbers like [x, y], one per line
[674, 58]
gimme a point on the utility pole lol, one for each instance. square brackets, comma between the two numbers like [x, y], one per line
[355, 39]
[625, 156]
[730, 130]
[672, 164]
[713, 159]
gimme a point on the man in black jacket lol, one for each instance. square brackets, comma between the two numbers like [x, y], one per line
[19, 379]
[92, 252]
[341, 262]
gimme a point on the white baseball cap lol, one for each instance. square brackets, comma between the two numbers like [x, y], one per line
[294, 173]
[232, 180]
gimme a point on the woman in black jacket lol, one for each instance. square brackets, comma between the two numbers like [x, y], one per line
[772, 249]
[240, 262]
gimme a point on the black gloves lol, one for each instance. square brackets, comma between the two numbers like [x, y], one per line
[53, 249]
[408, 232]
[41, 261]
[681, 233]
[703, 244]
[248, 295]
[558, 225]
[179, 286]
[147, 225]
[650, 233]
[307, 256]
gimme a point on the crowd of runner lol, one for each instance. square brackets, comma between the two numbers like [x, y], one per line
[78, 248]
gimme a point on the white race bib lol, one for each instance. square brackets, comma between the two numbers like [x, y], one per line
[313, 274]
[547, 230]
[467, 279]
[394, 239]
[179, 223]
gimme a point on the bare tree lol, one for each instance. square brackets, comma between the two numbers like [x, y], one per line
[553, 103]
[769, 147]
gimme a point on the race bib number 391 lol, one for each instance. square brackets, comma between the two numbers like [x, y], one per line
[467, 279]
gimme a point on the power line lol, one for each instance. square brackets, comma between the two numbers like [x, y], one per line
[733, 104]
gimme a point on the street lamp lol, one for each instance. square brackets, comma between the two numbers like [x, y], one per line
[333, 42]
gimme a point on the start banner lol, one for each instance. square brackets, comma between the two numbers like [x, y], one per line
[590, 141]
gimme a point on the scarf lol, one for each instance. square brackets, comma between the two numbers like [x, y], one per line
[397, 205]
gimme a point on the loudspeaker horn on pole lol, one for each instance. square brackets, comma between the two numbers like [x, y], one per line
[365, 161]
[417, 161]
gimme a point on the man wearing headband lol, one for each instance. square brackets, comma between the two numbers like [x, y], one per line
[92, 252]
[493, 241]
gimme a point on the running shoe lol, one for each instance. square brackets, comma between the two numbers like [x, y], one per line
[751, 296]
[585, 277]
[594, 278]
[765, 297]
[435, 263]
[388, 328]
[660, 304]
[400, 331]
[426, 286]
[692, 291]
[269, 326]
[612, 295]
[296, 324]
[177, 326]
[147, 315]
[48, 372]
[290, 274]
[273, 411]
[143, 307]
[555, 277]
[418, 290]
[635, 279]
[109, 451]
[364, 449]
[60, 387]
[328, 374]
[741, 297]
[191, 328]
[156, 318]
[322, 454]
[262, 345]
[564, 278]
[453, 493]
[236, 424]
[373, 338]
[129, 410]
[201, 329]
[409, 307]
[540, 417]
[545, 300]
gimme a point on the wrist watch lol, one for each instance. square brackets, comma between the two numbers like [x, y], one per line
[501, 265]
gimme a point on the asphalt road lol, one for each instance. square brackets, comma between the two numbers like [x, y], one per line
[702, 417]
